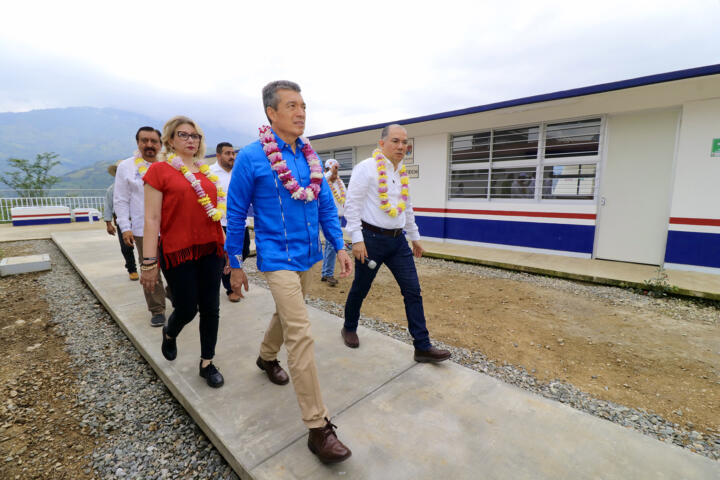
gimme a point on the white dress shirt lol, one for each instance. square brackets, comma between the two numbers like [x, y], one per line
[339, 186]
[224, 181]
[129, 198]
[363, 203]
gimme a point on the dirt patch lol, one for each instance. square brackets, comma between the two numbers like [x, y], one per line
[40, 436]
[638, 356]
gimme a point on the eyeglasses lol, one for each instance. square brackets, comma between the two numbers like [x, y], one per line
[195, 137]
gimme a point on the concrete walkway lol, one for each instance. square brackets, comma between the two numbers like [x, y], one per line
[402, 420]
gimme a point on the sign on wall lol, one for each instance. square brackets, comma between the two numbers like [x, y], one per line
[715, 148]
[413, 171]
[410, 155]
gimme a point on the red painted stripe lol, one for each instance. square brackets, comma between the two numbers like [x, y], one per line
[43, 215]
[714, 222]
[509, 213]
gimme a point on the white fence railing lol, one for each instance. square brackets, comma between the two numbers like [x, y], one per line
[97, 202]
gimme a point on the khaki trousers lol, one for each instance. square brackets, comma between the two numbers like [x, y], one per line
[156, 299]
[290, 325]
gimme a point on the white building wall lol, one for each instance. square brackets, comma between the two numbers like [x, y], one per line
[428, 190]
[696, 192]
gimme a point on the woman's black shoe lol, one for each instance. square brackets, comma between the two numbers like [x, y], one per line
[169, 346]
[211, 374]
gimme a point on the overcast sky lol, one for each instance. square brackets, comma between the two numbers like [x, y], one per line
[357, 62]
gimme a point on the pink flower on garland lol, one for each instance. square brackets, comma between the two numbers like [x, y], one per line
[272, 152]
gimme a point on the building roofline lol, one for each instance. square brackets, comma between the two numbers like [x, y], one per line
[546, 97]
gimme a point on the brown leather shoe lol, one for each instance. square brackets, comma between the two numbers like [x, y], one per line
[134, 276]
[350, 338]
[274, 371]
[234, 297]
[434, 355]
[325, 445]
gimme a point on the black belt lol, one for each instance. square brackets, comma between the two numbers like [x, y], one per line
[388, 232]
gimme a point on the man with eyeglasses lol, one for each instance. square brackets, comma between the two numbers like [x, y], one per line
[129, 203]
[379, 213]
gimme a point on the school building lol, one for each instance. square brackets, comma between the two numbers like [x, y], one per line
[625, 171]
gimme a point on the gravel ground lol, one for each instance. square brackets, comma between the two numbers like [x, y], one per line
[146, 433]
[645, 422]
[143, 431]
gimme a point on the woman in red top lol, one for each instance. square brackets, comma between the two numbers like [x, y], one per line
[191, 251]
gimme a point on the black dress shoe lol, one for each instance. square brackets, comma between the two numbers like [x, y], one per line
[350, 338]
[274, 371]
[325, 445]
[434, 355]
[157, 320]
[169, 346]
[212, 375]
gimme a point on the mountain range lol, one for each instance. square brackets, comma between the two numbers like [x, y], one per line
[87, 140]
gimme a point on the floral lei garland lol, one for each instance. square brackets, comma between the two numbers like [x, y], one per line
[272, 152]
[215, 213]
[340, 197]
[385, 205]
[142, 165]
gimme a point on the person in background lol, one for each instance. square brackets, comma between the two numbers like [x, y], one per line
[337, 186]
[129, 203]
[183, 205]
[378, 213]
[127, 251]
[225, 155]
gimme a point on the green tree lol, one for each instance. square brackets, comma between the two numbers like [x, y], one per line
[30, 178]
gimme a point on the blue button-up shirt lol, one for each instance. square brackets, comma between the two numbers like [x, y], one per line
[286, 230]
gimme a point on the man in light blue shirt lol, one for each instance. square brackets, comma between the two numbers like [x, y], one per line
[287, 242]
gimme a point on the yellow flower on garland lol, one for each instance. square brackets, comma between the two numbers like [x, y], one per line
[204, 200]
[217, 216]
[204, 169]
[142, 169]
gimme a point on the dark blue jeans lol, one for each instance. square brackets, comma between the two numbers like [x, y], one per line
[396, 254]
[195, 285]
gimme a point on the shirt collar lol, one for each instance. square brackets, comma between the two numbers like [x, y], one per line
[282, 144]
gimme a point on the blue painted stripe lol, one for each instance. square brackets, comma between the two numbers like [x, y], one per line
[549, 236]
[693, 248]
[546, 97]
[42, 221]
[86, 219]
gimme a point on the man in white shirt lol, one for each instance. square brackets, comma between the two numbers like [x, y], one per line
[337, 186]
[377, 210]
[129, 203]
[225, 154]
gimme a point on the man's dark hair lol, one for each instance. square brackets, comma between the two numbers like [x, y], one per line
[269, 93]
[222, 145]
[147, 129]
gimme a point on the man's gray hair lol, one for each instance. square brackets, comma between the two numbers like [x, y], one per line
[269, 92]
[386, 130]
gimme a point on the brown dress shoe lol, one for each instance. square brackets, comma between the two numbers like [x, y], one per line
[325, 445]
[434, 355]
[134, 276]
[234, 297]
[350, 338]
[274, 371]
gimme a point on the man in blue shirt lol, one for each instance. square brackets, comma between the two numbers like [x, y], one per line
[287, 242]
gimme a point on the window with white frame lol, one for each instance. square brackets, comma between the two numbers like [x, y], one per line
[344, 157]
[549, 161]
